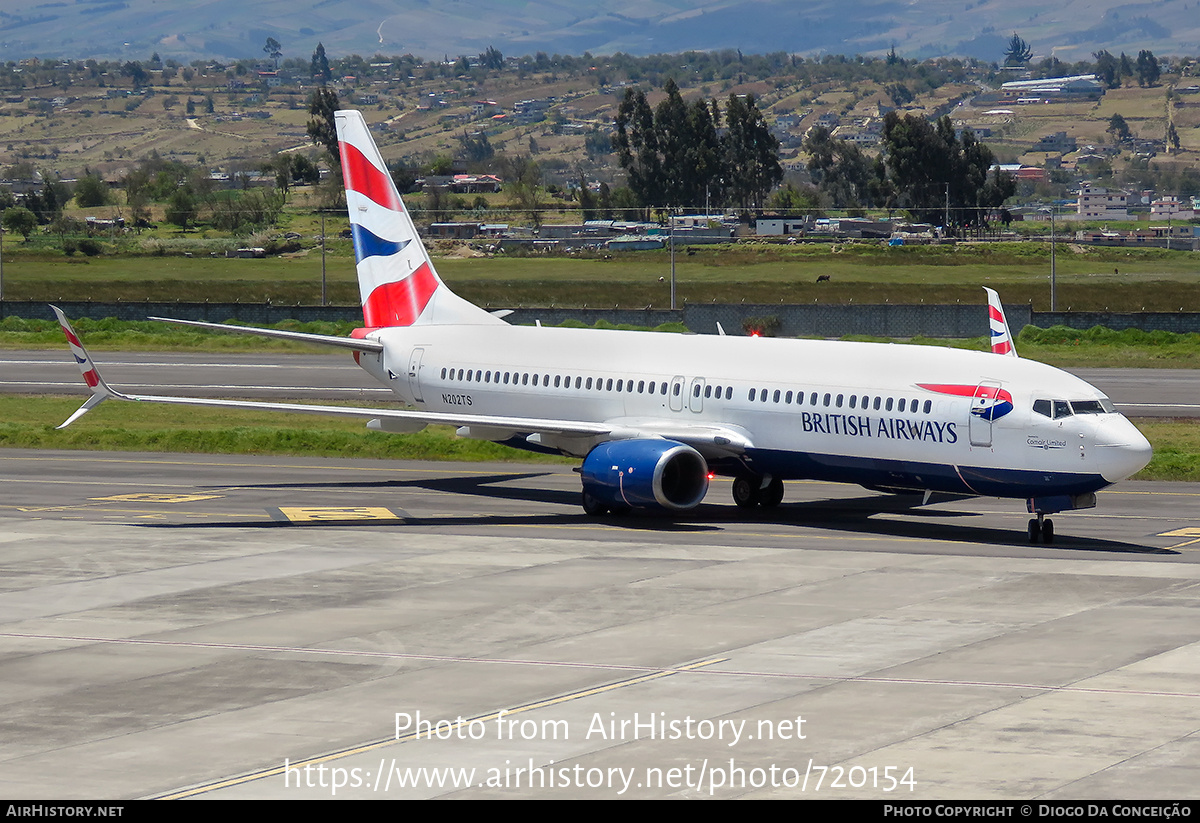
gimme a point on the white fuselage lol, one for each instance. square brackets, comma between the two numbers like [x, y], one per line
[877, 414]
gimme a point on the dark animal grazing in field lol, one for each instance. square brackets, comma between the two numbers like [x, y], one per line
[822, 278]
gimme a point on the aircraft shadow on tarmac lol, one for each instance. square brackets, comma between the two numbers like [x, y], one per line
[858, 515]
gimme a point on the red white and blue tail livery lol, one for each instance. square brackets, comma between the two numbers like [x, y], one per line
[1002, 340]
[652, 415]
[396, 279]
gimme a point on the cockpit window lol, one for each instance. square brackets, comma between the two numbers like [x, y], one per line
[1058, 409]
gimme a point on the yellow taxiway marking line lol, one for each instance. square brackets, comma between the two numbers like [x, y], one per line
[1191, 532]
[106, 510]
[485, 718]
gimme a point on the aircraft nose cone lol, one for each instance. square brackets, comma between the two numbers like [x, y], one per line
[1123, 450]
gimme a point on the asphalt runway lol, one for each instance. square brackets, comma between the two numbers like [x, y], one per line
[262, 627]
[1136, 392]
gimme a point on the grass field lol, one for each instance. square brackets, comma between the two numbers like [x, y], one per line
[28, 422]
[1087, 278]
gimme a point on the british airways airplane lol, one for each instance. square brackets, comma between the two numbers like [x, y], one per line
[655, 416]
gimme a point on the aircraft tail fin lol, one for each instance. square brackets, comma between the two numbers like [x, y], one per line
[1002, 339]
[396, 278]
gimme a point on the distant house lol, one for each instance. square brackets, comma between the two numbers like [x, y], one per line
[454, 231]
[1054, 89]
[1057, 143]
[1170, 208]
[475, 184]
[1098, 203]
[531, 111]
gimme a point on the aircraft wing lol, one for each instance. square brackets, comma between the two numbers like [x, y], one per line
[708, 439]
[354, 343]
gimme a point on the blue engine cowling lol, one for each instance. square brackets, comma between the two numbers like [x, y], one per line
[645, 474]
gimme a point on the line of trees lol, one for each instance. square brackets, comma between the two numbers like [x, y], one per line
[677, 154]
[925, 168]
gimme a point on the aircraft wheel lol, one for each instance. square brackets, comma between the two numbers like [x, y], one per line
[592, 505]
[772, 495]
[1035, 531]
[1048, 531]
[746, 492]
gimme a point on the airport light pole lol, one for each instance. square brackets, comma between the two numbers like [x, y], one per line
[672, 236]
[1053, 272]
[1053, 268]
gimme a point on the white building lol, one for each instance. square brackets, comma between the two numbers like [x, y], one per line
[1169, 208]
[1097, 203]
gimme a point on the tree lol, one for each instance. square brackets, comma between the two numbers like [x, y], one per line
[1118, 129]
[134, 71]
[273, 50]
[932, 171]
[20, 220]
[636, 144]
[751, 152]
[1107, 69]
[320, 66]
[1147, 68]
[587, 201]
[792, 201]
[523, 183]
[91, 191]
[304, 171]
[492, 59]
[322, 129]
[475, 149]
[181, 208]
[281, 168]
[841, 170]
[1018, 52]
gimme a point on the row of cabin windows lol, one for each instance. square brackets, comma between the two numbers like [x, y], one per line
[586, 384]
[709, 390]
[853, 401]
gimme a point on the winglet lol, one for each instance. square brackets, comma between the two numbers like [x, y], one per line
[100, 389]
[1002, 339]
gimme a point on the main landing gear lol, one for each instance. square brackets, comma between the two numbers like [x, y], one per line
[1041, 529]
[752, 491]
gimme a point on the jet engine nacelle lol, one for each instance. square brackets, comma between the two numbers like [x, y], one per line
[644, 474]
